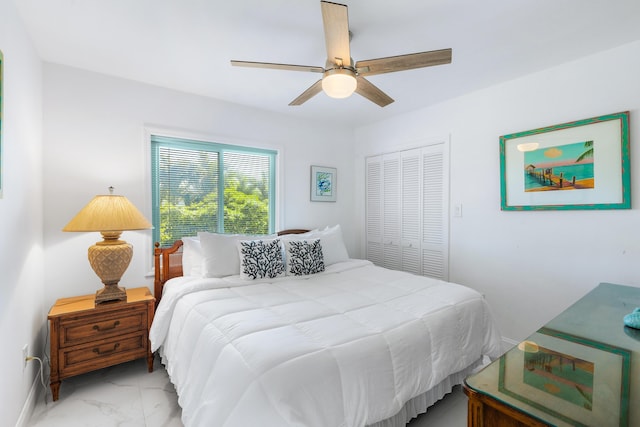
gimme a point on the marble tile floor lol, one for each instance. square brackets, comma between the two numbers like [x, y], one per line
[128, 396]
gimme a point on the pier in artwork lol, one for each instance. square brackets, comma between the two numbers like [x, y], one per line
[551, 181]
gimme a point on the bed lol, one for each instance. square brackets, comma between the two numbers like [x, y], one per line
[344, 344]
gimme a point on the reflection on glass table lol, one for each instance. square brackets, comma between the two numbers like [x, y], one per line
[581, 369]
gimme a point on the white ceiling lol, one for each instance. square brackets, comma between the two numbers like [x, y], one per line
[187, 44]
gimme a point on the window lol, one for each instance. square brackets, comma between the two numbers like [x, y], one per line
[204, 186]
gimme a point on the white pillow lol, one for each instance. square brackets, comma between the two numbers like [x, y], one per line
[191, 257]
[333, 248]
[304, 257]
[260, 259]
[220, 254]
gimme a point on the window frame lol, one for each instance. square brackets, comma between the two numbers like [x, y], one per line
[160, 139]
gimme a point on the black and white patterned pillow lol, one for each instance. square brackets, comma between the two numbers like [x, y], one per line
[260, 259]
[304, 257]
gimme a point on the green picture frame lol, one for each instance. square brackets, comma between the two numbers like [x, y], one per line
[577, 165]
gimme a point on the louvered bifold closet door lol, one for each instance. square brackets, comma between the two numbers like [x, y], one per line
[391, 211]
[374, 210]
[407, 209]
[435, 211]
[411, 211]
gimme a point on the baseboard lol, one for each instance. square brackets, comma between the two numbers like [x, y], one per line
[29, 406]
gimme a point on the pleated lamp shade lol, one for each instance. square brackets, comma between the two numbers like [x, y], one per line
[110, 215]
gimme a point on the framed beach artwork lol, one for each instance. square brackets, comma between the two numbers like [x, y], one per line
[324, 183]
[577, 165]
[578, 381]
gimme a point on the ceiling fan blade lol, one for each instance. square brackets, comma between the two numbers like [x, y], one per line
[277, 66]
[372, 93]
[336, 33]
[403, 62]
[315, 89]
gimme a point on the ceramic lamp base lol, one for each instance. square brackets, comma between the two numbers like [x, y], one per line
[110, 259]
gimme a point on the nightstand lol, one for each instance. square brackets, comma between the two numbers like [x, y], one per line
[86, 337]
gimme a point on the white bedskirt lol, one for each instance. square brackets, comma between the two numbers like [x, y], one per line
[419, 404]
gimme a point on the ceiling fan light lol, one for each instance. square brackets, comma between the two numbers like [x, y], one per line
[339, 82]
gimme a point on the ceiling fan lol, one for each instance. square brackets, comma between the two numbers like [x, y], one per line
[341, 77]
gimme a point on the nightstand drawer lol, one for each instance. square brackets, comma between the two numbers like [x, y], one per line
[103, 353]
[97, 327]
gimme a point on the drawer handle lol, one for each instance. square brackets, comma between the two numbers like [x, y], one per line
[99, 329]
[115, 347]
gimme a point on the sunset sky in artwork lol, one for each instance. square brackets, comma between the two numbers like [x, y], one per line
[560, 155]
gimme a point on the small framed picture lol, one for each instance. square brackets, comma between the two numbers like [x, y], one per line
[323, 184]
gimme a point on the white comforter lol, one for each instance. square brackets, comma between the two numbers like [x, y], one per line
[347, 347]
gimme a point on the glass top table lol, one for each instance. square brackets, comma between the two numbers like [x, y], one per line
[580, 369]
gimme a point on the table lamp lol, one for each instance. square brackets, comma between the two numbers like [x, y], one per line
[110, 215]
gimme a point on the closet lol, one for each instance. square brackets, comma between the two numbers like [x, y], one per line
[407, 210]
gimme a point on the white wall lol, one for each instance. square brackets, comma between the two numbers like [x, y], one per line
[530, 265]
[22, 309]
[94, 136]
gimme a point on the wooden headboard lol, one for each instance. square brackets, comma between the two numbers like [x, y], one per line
[168, 262]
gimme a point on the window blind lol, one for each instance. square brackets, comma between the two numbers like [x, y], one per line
[206, 186]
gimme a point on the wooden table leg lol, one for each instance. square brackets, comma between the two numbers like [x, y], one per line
[55, 390]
